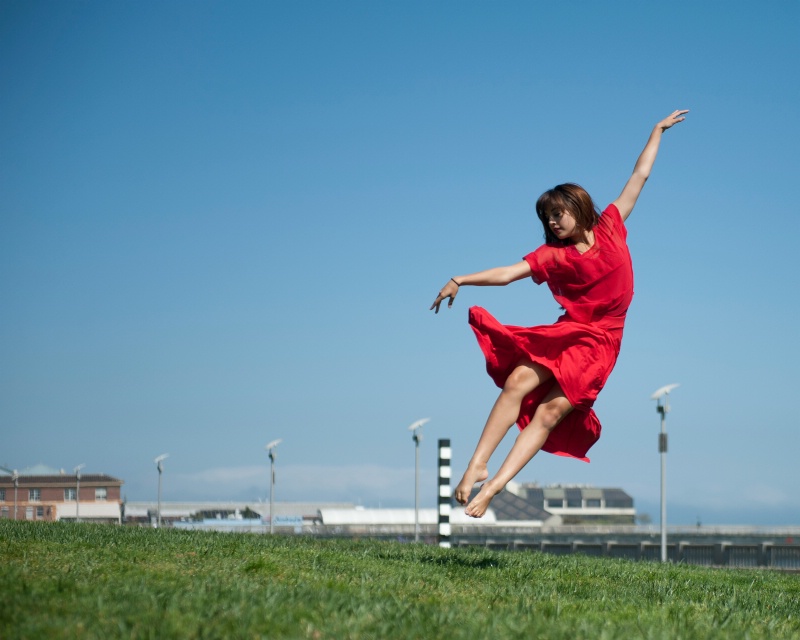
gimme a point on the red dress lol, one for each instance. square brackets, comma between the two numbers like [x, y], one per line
[595, 289]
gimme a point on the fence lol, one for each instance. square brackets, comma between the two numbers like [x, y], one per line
[719, 554]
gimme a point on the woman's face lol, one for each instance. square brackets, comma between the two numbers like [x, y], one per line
[562, 224]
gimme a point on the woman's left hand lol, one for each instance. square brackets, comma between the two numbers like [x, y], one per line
[450, 290]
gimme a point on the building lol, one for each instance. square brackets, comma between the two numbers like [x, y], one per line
[562, 504]
[519, 508]
[42, 493]
[223, 514]
[574, 504]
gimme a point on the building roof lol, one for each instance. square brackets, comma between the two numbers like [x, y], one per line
[510, 507]
[59, 480]
[533, 491]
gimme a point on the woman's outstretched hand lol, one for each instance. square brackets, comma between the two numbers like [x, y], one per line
[673, 118]
[450, 290]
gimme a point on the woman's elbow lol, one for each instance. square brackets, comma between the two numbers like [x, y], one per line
[509, 275]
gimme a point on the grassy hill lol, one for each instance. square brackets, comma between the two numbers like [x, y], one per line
[99, 581]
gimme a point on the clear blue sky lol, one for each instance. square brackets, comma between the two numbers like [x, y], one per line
[223, 223]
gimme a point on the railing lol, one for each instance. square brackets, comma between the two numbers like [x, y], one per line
[720, 554]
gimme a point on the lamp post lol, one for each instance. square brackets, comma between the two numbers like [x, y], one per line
[77, 471]
[416, 430]
[271, 451]
[160, 466]
[15, 477]
[662, 407]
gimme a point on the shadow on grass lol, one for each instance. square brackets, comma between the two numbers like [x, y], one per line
[464, 561]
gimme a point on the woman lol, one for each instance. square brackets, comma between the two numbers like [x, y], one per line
[550, 375]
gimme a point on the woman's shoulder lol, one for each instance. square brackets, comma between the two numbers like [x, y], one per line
[545, 261]
[611, 220]
[611, 214]
[547, 249]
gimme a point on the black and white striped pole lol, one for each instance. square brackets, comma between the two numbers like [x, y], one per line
[445, 453]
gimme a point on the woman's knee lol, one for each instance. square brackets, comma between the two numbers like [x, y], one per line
[551, 412]
[525, 377]
[522, 380]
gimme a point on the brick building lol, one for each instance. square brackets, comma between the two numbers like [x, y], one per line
[46, 494]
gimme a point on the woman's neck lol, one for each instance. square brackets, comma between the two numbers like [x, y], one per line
[583, 241]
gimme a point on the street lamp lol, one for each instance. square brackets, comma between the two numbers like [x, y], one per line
[416, 429]
[159, 464]
[15, 477]
[77, 471]
[271, 451]
[662, 407]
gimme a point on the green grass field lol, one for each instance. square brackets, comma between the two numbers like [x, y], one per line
[95, 581]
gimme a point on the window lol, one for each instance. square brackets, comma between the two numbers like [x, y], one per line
[101, 493]
[574, 503]
[4, 512]
[555, 502]
[593, 503]
[29, 513]
[2, 495]
[34, 495]
[70, 495]
[40, 512]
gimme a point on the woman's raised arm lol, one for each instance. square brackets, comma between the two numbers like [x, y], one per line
[627, 199]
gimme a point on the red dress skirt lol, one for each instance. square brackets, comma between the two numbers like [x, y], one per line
[595, 289]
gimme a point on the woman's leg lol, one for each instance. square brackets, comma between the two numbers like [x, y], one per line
[525, 377]
[550, 412]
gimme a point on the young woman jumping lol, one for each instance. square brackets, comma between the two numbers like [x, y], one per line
[550, 375]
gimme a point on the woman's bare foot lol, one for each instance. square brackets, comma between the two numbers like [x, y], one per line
[477, 507]
[473, 474]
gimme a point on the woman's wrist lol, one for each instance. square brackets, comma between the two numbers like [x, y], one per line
[458, 284]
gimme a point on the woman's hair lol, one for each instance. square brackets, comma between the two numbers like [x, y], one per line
[566, 197]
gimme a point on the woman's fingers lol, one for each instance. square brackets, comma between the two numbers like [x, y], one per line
[674, 118]
[441, 298]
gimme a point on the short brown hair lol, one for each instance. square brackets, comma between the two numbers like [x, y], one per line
[567, 197]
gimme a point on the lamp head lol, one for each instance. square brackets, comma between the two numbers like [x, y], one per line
[14, 473]
[418, 424]
[664, 391]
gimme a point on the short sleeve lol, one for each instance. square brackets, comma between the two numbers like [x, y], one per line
[539, 261]
[611, 219]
